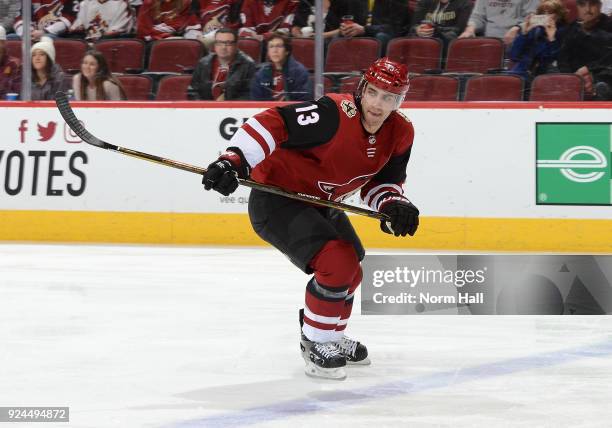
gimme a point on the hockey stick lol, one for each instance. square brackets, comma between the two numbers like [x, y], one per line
[68, 114]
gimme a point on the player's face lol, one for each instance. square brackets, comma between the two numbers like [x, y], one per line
[377, 105]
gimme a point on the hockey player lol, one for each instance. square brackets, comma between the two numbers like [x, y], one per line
[330, 148]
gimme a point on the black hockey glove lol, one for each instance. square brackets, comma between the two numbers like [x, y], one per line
[222, 175]
[404, 216]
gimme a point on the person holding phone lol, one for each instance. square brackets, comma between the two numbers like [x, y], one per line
[536, 49]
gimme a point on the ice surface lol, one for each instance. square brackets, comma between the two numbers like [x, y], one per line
[142, 336]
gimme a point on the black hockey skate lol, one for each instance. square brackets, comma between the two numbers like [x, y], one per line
[355, 352]
[323, 360]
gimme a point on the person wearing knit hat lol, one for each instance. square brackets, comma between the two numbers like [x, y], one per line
[47, 76]
[10, 70]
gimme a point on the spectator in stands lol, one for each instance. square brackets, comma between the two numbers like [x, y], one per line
[49, 17]
[47, 76]
[501, 19]
[536, 49]
[10, 70]
[443, 19]
[160, 19]
[9, 10]
[224, 74]
[217, 14]
[333, 13]
[260, 18]
[282, 78]
[587, 49]
[103, 18]
[95, 81]
[386, 19]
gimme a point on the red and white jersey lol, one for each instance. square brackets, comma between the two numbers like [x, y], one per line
[260, 16]
[98, 17]
[322, 149]
[215, 14]
[166, 21]
[52, 16]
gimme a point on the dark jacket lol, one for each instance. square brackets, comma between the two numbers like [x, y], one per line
[236, 85]
[337, 9]
[593, 49]
[449, 20]
[389, 16]
[297, 82]
[55, 82]
[533, 54]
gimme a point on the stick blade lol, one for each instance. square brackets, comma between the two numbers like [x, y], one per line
[61, 100]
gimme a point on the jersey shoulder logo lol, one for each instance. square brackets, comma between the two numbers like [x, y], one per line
[348, 108]
[402, 115]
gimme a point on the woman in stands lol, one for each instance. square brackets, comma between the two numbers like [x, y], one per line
[47, 76]
[282, 78]
[536, 49]
[95, 81]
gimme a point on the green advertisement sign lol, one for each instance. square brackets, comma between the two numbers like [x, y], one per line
[573, 164]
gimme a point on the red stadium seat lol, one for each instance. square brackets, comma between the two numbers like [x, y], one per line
[418, 53]
[173, 88]
[303, 50]
[557, 87]
[494, 87]
[174, 56]
[69, 54]
[137, 87]
[251, 47]
[349, 55]
[123, 55]
[433, 88]
[474, 55]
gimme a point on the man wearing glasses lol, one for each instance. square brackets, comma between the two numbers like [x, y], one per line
[224, 74]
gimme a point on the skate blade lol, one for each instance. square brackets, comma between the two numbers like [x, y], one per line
[365, 362]
[315, 371]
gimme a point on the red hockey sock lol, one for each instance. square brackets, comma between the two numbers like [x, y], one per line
[335, 267]
[348, 301]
